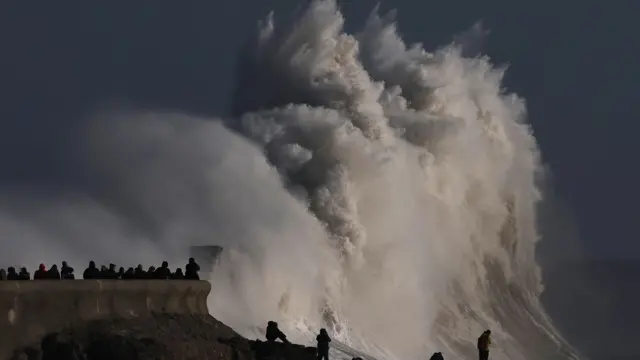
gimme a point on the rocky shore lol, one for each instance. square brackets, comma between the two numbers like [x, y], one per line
[158, 337]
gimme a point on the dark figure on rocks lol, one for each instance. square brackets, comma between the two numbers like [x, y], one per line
[273, 333]
[163, 271]
[323, 340]
[11, 274]
[437, 356]
[41, 273]
[67, 272]
[24, 274]
[484, 341]
[178, 275]
[139, 272]
[53, 273]
[191, 270]
[91, 272]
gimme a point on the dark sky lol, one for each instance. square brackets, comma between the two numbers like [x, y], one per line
[576, 65]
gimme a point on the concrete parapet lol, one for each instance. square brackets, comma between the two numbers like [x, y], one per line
[31, 309]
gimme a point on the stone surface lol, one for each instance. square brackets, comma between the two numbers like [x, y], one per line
[30, 310]
[157, 337]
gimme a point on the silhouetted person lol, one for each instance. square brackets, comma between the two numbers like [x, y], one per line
[103, 272]
[24, 274]
[139, 273]
[323, 340]
[120, 272]
[111, 272]
[91, 272]
[191, 270]
[484, 341]
[151, 272]
[273, 333]
[129, 274]
[437, 356]
[178, 275]
[53, 273]
[66, 273]
[163, 271]
[12, 274]
[41, 273]
[3, 274]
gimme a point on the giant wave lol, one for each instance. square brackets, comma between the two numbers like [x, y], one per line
[374, 188]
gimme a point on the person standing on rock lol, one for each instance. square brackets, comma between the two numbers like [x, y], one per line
[273, 333]
[484, 341]
[323, 340]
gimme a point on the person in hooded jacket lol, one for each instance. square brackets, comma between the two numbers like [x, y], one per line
[53, 273]
[273, 333]
[41, 273]
[323, 340]
[178, 275]
[191, 270]
[91, 272]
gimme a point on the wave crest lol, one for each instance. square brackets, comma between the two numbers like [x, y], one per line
[420, 168]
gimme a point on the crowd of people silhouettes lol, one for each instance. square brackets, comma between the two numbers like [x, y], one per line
[66, 272]
[273, 333]
[163, 272]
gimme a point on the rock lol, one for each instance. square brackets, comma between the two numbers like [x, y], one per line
[160, 337]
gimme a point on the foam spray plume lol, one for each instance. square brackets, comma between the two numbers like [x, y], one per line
[422, 173]
[381, 191]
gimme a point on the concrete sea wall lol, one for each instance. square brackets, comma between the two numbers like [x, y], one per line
[31, 309]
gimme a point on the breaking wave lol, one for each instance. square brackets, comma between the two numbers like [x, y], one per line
[379, 190]
[422, 175]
